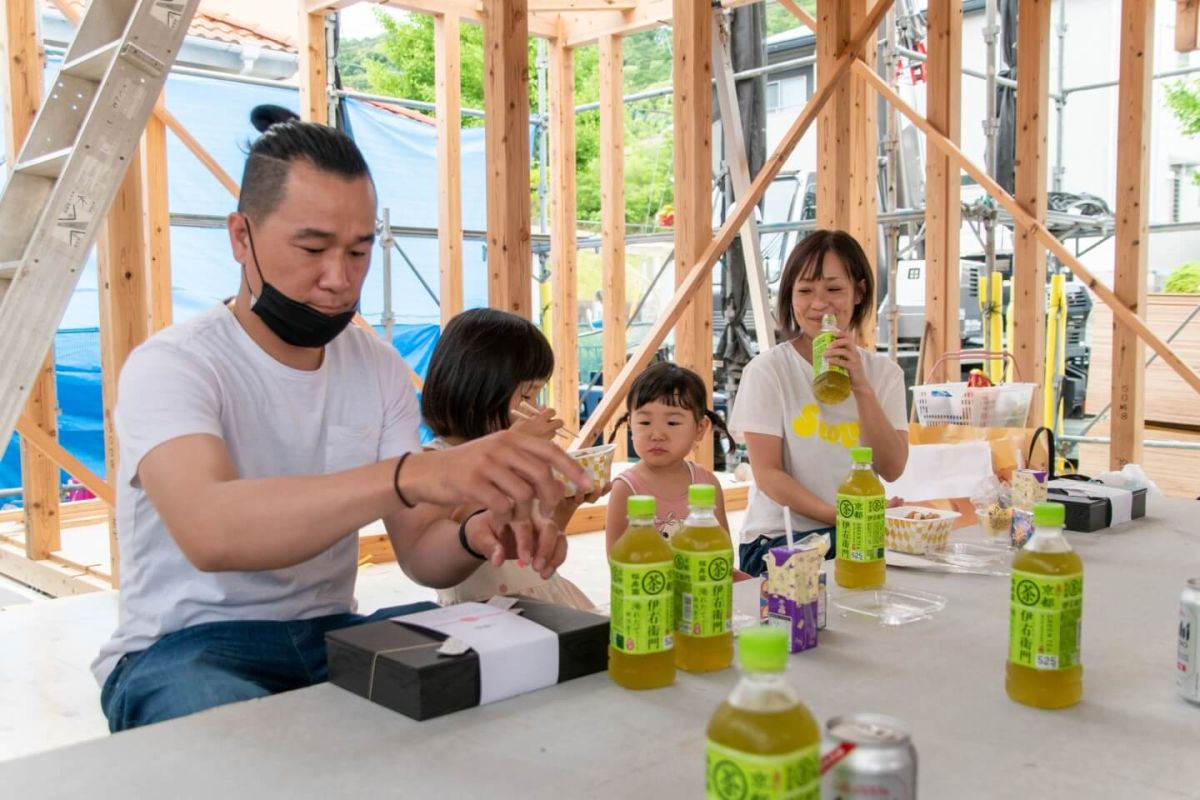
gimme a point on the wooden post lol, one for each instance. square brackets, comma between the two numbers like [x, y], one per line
[565, 313]
[447, 68]
[943, 216]
[1029, 256]
[833, 126]
[506, 140]
[124, 309]
[1134, 98]
[314, 96]
[612, 212]
[1187, 25]
[692, 106]
[847, 194]
[39, 474]
[157, 220]
[863, 172]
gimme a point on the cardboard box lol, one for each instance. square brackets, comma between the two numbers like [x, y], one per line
[399, 667]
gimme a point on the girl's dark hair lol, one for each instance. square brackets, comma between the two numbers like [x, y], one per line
[807, 262]
[672, 385]
[482, 357]
[286, 139]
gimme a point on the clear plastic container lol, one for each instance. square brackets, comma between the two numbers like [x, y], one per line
[890, 606]
[975, 558]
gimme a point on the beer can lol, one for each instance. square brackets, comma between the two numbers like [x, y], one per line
[868, 755]
[1187, 668]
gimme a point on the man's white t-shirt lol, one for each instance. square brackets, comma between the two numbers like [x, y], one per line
[207, 376]
[775, 398]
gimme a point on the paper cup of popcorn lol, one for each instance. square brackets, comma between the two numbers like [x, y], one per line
[596, 461]
[917, 530]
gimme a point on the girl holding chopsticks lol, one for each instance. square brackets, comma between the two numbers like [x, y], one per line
[484, 376]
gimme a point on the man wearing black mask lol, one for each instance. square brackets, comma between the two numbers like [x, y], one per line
[257, 438]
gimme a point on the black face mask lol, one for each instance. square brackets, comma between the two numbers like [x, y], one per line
[296, 323]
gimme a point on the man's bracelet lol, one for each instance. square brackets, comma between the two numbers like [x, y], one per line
[396, 480]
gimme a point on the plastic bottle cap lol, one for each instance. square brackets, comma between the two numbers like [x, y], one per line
[862, 455]
[1049, 515]
[641, 505]
[702, 495]
[763, 649]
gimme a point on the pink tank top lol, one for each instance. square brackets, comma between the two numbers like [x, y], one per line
[671, 511]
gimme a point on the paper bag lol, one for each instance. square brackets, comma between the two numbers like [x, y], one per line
[1009, 445]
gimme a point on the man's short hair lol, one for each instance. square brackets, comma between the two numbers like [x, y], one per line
[283, 143]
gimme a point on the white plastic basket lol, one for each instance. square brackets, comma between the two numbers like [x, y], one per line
[1003, 406]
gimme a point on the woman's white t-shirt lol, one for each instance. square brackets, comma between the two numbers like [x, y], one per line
[776, 398]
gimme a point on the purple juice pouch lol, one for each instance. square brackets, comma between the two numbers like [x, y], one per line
[793, 586]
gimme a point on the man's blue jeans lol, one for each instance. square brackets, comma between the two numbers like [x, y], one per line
[217, 663]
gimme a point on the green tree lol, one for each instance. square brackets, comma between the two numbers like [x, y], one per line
[1183, 98]
[353, 55]
[779, 19]
[1185, 279]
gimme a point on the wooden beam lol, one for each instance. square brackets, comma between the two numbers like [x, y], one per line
[121, 276]
[1028, 345]
[23, 76]
[692, 107]
[1023, 218]
[588, 27]
[565, 314]
[506, 142]
[863, 172]
[46, 575]
[739, 175]
[447, 69]
[75, 468]
[1135, 95]
[833, 128]
[846, 141]
[157, 222]
[943, 215]
[582, 5]
[40, 476]
[23, 92]
[612, 212]
[314, 96]
[1187, 25]
[702, 267]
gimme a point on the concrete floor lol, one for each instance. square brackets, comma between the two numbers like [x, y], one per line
[47, 693]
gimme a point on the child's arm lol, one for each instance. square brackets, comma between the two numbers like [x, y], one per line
[617, 518]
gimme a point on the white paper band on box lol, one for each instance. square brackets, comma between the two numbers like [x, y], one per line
[516, 655]
[1120, 500]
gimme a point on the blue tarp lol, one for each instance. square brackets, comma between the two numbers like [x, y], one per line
[402, 155]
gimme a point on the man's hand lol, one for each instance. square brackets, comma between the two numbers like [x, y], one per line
[538, 542]
[505, 473]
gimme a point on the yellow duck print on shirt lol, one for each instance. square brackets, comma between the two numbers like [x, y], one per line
[809, 424]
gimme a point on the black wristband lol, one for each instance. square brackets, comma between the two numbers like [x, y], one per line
[462, 538]
[396, 480]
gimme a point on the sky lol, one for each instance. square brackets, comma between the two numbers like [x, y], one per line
[358, 21]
